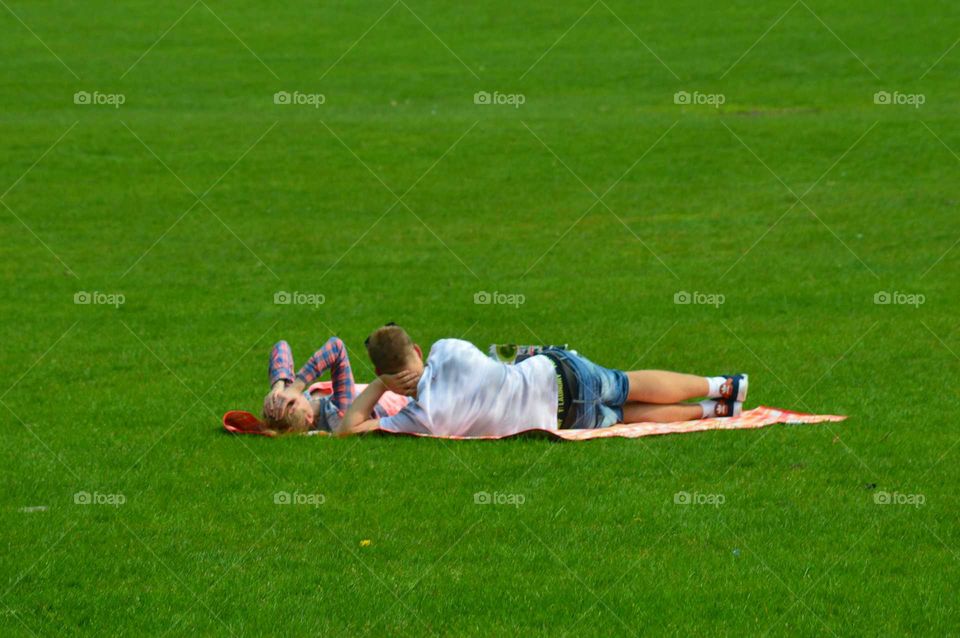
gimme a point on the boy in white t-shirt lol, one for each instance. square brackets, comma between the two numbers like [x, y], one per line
[462, 392]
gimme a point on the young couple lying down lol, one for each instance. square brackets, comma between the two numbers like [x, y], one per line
[459, 391]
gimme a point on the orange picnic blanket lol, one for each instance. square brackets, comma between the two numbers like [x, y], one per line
[758, 417]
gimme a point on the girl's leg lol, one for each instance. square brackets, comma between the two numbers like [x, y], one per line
[660, 413]
[660, 386]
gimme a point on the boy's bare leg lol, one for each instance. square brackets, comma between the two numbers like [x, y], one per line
[660, 413]
[660, 386]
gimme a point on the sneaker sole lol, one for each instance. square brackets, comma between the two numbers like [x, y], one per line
[744, 384]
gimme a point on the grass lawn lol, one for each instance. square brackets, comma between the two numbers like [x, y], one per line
[779, 184]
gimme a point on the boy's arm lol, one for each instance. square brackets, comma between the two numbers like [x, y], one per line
[356, 419]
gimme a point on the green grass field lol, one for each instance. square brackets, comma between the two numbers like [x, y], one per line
[598, 199]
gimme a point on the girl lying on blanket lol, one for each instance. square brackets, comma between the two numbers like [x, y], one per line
[460, 392]
[295, 404]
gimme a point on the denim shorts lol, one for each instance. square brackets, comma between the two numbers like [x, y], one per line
[601, 395]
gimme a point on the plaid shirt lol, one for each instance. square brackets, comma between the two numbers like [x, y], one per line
[332, 356]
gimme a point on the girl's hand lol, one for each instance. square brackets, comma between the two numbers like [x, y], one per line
[278, 402]
[403, 382]
[271, 404]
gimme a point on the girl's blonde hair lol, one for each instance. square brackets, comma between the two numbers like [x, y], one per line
[295, 422]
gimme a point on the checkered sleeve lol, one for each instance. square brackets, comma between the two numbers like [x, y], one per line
[281, 363]
[332, 356]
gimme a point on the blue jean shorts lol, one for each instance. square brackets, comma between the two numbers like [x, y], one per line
[601, 395]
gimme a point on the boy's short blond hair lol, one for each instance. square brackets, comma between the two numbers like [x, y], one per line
[389, 348]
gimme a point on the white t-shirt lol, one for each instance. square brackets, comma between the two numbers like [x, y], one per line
[465, 393]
